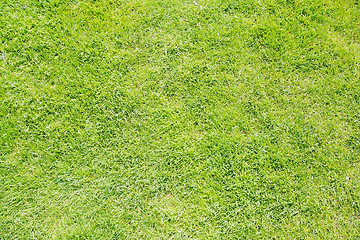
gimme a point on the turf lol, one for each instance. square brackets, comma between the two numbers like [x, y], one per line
[206, 119]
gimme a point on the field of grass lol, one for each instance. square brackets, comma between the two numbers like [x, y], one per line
[172, 119]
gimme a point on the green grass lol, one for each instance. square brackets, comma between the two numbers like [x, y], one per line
[214, 119]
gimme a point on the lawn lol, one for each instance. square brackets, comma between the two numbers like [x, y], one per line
[173, 119]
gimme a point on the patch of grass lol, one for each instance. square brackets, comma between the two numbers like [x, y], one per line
[215, 119]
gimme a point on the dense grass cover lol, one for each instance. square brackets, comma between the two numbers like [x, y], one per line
[214, 119]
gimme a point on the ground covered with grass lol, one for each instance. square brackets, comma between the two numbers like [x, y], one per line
[214, 119]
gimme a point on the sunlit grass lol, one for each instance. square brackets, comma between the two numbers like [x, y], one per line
[216, 119]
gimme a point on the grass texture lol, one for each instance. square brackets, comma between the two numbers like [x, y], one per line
[172, 119]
